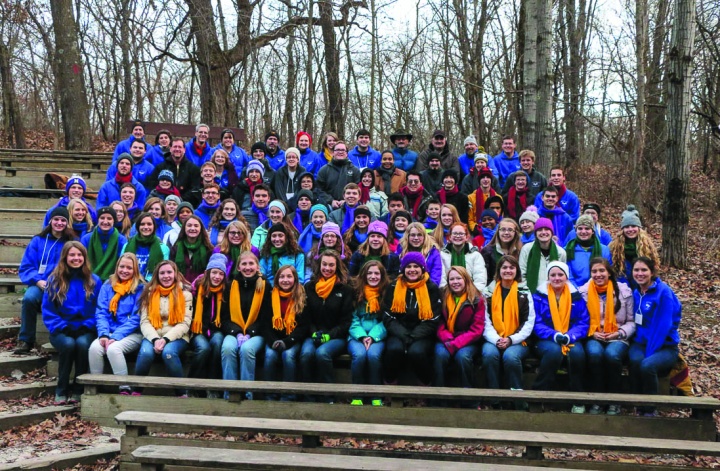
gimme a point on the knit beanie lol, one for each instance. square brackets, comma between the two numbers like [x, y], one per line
[128, 157]
[279, 227]
[413, 257]
[433, 156]
[378, 227]
[278, 204]
[470, 140]
[306, 193]
[107, 210]
[362, 209]
[594, 206]
[481, 156]
[166, 175]
[272, 133]
[301, 134]
[259, 145]
[292, 150]
[185, 204]
[77, 179]
[585, 220]
[59, 211]
[558, 264]
[217, 260]
[256, 165]
[319, 207]
[630, 217]
[174, 198]
[530, 214]
[331, 227]
[544, 223]
[485, 172]
[489, 213]
[450, 172]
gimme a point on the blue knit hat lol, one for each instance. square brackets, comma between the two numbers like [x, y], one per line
[75, 179]
[489, 213]
[256, 165]
[217, 260]
[166, 175]
[319, 207]
[413, 257]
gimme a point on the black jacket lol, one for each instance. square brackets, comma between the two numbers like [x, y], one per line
[281, 179]
[332, 315]
[408, 327]
[298, 335]
[247, 292]
[333, 177]
[187, 175]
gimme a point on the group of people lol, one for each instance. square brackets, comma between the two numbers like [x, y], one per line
[292, 259]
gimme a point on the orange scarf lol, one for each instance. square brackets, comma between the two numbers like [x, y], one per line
[236, 315]
[324, 286]
[421, 292]
[560, 312]
[288, 321]
[372, 296]
[176, 308]
[505, 315]
[121, 289]
[593, 306]
[453, 307]
[197, 320]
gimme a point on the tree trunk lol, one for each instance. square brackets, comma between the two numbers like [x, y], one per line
[332, 68]
[677, 180]
[11, 109]
[544, 131]
[71, 84]
[288, 127]
[529, 115]
[641, 40]
[125, 47]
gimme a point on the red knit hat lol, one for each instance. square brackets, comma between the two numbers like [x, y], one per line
[299, 135]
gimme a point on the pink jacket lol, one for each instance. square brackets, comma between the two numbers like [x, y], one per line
[469, 326]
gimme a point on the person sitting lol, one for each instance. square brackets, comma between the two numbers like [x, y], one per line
[156, 208]
[225, 171]
[357, 233]
[535, 256]
[448, 217]
[110, 190]
[506, 241]
[487, 229]
[75, 188]
[477, 199]
[632, 242]
[458, 252]
[192, 250]
[235, 242]
[277, 214]
[236, 155]
[433, 216]
[104, 244]
[280, 249]
[258, 213]
[471, 181]
[416, 239]
[184, 211]
[80, 218]
[415, 197]
[227, 212]
[396, 231]
[527, 224]
[450, 194]
[562, 223]
[209, 204]
[370, 196]
[146, 246]
[593, 210]
[584, 247]
[518, 195]
[375, 247]
[536, 181]
[388, 178]
[301, 216]
[286, 181]
[309, 159]
[344, 215]
[244, 190]
[310, 236]
[566, 199]
[142, 167]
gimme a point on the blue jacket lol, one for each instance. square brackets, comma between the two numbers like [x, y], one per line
[311, 161]
[127, 318]
[194, 157]
[141, 171]
[435, 266]
[41, 250]
[661, 314]
[602, 234]
[365, 324]
[277, 160]
[562, 223]
[238, 156]
[297, 261]
[405, 158]
[64, 202]
[467, 163]
[205, 212]
[155, 155]
[579, 317]
[110, 191]
[569, 202]
[503, 166]
[122, 240]
[76, 311]
[580, 265]
[367, 159]
[123, 147]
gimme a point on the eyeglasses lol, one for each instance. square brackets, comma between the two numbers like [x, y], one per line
[211, 193]
[459, 234]
[234, 233]
[413, 182]
[339, 150]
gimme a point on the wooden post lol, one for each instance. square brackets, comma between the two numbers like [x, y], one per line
[311, 441]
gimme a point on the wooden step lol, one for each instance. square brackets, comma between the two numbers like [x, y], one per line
[21, 391]
[10, 304]
[11, 253]
[24, 418]
[24, 363]
[28, 203]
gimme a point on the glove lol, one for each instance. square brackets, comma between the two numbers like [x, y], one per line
[241, 339]
[560, 339]
[318, 338]
[278, 345]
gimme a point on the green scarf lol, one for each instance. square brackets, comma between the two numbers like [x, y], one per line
[155, 256]
[533, 266]
[596, 248]
[630, 250]
[235, 252]
[276, 253]
[199, 252]
[457, 258]
[103, 261]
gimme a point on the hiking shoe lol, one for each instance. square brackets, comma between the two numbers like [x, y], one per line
[22, 348]
[377, 402]
[125, 390]
[613, 409]
[578, 409]
[596, 409]
[60, 400]
[74, 399]
[356, 402]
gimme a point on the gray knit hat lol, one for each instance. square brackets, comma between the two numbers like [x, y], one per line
[630, 217]
[470, 140]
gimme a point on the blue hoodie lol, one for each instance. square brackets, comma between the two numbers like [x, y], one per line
[561, 222]
[503, 166]
[123, 147]
[205, 212]
[579, 317]
[368, 159]
[104, 240]
[64, 202]
[141, 170]
[40, 251]
[76, 311]
[155, 155]
[277, 160]
[661, 314]
[110, 191]
[467, 163]
[127, 318]
[569, 202]
[311, 161]
[237, 154]
[194, 157]
[580, 265]
[405, 158]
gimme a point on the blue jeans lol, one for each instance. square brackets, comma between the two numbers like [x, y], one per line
[551, 359]
[206, 359]
[170, 355]
[316, 363]
[366, 364]
[463, 360]
[644, 371]
[31, 304]
[289, 367]
[605, 363]
[245, 357]
[71, 350]
[511, 360]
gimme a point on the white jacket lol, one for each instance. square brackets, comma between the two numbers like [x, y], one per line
[542, 276]
[474, 263]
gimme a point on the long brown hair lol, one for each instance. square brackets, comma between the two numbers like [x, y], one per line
[181, 284]
[512, 261]
[360, 281]
[515, 244]
[137, 279]
[59, 280]
[298, 290]
[291, 245]
[217, 217]
[204, 238]
[245, 245]
[154, 200]
[126, 223]
[612, 277]
[340, 268]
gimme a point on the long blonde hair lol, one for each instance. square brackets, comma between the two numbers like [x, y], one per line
[88, 217]
[472, 292]
[644, 246]
[126, 222]
[245, 245]
[428, 241]
[59, 280]
[439, 234]
[137, 279]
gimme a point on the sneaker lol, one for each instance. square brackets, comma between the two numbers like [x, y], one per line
[136, 393]
[183, 396]
[377, 402]
[74, 399]
[578, 409]
[650, 413]
[212, 395]
[614, 409]
[60, 400]
[596, 409]
[356, 402]
[22, 348]
[125, 390]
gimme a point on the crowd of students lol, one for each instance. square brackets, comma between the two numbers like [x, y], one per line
[292, 270]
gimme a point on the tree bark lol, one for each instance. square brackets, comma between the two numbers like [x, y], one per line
[71, 83]
[544, 132]
[332, 68]
[12, 117]
[529, 115]
[677, 179]
[641, 40]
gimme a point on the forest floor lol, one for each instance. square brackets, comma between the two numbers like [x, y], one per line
[698, 287]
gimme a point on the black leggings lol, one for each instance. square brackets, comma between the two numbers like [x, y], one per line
[418, 357]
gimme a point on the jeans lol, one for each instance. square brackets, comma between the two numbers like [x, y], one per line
[551, 358]
[115, 354]
[418, 355]
[71, 350]
[31, 304]
[366, 364]
[289, 367]
[463, 359]
[170, 355]
[605, 363]
[511, 359]
[245, 357]
[644, 371]
[206, 359]
[316, 363]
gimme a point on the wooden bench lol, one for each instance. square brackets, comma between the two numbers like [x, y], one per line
[154, 457]
[138, 426]
[57, 164]
[10, 284]
[39, 192]
[86, 173]
[696, 424]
